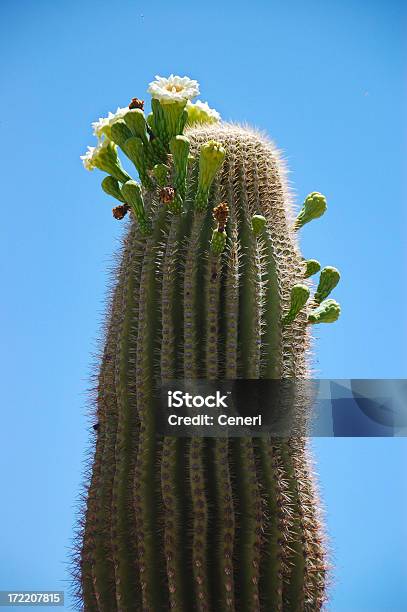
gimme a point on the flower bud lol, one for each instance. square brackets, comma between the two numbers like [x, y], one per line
[111, 186]
[132, 194]
[328, 280]
[327, 312]
[258, 224]
[218, 241]
[105, 157]
[312, 266]
[299, 297]
[211, 159]
[314, 206]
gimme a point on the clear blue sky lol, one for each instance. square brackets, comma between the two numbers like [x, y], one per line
[327, 81]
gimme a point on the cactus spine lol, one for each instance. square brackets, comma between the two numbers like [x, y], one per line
[212, 287]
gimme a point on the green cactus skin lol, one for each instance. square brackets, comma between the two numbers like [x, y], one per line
[328, 280]
[312, 266]
[327, 312]
[211, 525]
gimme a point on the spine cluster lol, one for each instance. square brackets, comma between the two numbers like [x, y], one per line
[210, 285]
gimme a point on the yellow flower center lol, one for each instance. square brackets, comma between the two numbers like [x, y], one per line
[174, 88]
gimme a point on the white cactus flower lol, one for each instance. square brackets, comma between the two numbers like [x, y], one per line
[102, 126]
[173, 89]
[89, 160]
[200, 112]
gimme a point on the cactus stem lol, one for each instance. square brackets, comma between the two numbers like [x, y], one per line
[124, 552]
[145, 484]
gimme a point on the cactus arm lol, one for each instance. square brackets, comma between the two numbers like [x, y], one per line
[145, 485]
[124, 549]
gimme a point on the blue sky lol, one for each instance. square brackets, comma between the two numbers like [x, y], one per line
[327, 81]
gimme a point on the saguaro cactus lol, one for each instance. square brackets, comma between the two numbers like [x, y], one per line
[211, 285]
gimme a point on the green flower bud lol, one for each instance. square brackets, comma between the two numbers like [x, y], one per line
[313, 207]
[299, 297]
[160, 173]
[179, 148]
[136, 123]
[218, 242]
[111, 186]
[175, 118]
[119, 133]
[134, 149]
[105, 157]
[328, 280]
[327, 312]
[312, 266]
[211, 158]
[258, 224]
[132, 194]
